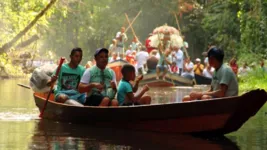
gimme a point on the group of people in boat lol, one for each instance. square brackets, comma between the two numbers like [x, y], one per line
[97, 85]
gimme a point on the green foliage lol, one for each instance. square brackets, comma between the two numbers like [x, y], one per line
[221, 25]
[253, 23]
[255, 79]
[9, 68]
[91, 24]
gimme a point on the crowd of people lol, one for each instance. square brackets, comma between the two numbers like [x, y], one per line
[148, 59]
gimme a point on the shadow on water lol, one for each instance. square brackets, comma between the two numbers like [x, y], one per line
[53, 135]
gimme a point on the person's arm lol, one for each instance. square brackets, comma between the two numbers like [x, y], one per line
[113, 82]
[85, 86]
[198, 95]
[167, 61]
[201, 67]
[53, 79]
[195, 68]
[190, 68]
[135, 87]
[137, 97]
[219, 93]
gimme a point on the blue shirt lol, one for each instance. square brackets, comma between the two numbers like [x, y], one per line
[123, 88]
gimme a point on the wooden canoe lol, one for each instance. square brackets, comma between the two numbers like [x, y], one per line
[216, 116]
[202, 80]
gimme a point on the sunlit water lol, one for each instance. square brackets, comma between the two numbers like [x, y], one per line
[20, 128]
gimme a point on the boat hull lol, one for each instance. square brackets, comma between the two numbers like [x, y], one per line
[202, 80]
[218, 116]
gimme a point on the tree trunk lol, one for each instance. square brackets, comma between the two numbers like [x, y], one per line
[9, 44]
[28, 42]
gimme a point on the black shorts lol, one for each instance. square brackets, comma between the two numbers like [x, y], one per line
[94, 100]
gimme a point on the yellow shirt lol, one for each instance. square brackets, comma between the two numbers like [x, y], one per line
[198, 69]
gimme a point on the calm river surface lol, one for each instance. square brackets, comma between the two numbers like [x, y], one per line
[20, 128]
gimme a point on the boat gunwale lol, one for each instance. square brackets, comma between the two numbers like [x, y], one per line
[139, 106]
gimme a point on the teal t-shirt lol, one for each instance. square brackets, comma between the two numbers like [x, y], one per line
[161, 61]
[68, 80]
[123, 88]
[225, 75]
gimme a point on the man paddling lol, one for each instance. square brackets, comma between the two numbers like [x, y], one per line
[69, 78]
[224, 81]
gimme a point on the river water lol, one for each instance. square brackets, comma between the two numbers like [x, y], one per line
[20, 128]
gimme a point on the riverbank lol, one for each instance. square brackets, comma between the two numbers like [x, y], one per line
[255, 79]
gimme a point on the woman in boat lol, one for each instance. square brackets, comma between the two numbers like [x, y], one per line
[224, 81]
[99, 82]
[126, 91]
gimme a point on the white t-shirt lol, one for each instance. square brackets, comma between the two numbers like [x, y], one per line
[141, 58]
[207, 74]
[86, 77]
[206, 60]
[189, 65]
[243, 70]
[112, 59]
[179, 58]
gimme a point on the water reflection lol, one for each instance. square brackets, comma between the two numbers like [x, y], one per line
[172, 94]
[52, 135]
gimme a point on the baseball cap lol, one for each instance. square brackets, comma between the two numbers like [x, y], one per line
[198, 59]
[99, 50]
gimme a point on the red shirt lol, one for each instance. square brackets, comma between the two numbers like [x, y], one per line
[174, 69]
[234, 68]
[149, 49]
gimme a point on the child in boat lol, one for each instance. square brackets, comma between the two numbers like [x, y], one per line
[126, 91]
[174, 68]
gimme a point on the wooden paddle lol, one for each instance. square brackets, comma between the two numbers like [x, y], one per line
[25, 86]
[51, 87]
[132, 21]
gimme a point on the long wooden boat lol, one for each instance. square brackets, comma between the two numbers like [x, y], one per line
[216, 116]
[202, 80]
[170, 80]
[47, 133]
